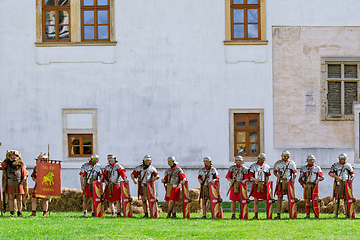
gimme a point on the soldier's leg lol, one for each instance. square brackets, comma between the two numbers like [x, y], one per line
[19, 205]
[33, 206]
[45, 203]
[112, 208]
[145, 207]
[278, 206]
[173, 208]
[307, 207]
[256, 208]
[233, 209]
[85, 205]
[203, 205]
[118, 208]
[11, 204]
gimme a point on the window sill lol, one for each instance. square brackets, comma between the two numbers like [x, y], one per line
[73, 44]
[346, 118]
[245, 42]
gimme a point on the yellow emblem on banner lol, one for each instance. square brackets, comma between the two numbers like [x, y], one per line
[48, 179]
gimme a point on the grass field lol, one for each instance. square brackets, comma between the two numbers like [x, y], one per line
[72, 226]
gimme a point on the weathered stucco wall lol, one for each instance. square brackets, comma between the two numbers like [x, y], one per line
[297, 53]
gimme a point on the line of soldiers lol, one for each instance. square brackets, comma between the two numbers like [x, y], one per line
[15, 181]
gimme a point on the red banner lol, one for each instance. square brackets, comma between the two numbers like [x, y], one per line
[48, 179]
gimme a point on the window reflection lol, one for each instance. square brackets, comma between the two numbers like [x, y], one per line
[238, 15]
[253, 31]
[102, 2]
[89, 32]
[252, 15]
[103, 32]
[88, 2]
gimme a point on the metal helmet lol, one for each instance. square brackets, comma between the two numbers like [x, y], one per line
[146, 158]
[42, 157]
[172, 158]
[261, 157]
[12, 152]
[239, 158]
[343, 156]
[207, 159]
[310, 157]
[94, 156]
[111, 158]
[285, 153]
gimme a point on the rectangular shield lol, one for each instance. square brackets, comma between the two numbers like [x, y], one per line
[291, 199]
[97, 194]
[186, 204]
[216, 207]
[125, 198]
[152, 200]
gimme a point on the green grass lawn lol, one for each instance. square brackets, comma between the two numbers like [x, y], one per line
[72, 226]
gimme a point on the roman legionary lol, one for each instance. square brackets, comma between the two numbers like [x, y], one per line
[205, 176]
[14, 181]
[141, 175]
[237, 173]
[89, 173]
[285, 171]
[113, 173]
[174, 177]
[341, 172]
[310, 176]
[259, 173]
[45, 201]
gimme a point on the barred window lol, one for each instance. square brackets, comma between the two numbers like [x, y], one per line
[342, 88]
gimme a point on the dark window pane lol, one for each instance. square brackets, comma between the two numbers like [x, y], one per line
[88, 2]
[103, 17]
[75, 141]
[87, 150]
[239, 31]
[238, 1]
[89, 32]
[49, 17]
[75, 150]
[334, 71]
[350, 96]
[240, 121]
[240, 149]
[103, 32]
[87, 140]
[253, 148]
[50, 32]
[64, 32]
[238, 15]
[49, 2]
[63, 2]
[350, 71]
[253, 31]
[253, 121]
[253, 136]
[334, 98]
[88, 17]
[252, 16]
[63, 17]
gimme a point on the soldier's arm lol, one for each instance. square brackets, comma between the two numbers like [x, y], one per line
[82, 181]
[333, 175]
[155, 177]
[133, 178]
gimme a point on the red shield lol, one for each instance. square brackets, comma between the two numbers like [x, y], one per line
[216, 208]
[152, 200]
[269, 200]
[125, 197]
[291, 199]
[48, 180]
[315, 201]
[244, 209]
[186, 206]
[97, 193]
[350, 200]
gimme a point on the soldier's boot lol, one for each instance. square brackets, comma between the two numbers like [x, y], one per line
[12, 214]
[233, 216]
[33, 214]
[85, 214]
[19, 214]
[146, 215]
[93, 214]
[113, 214]
[168, 214]
[204, 216]
[118, 214]
[278, 216]
[173, 215]
[256, 216]
[44, 213]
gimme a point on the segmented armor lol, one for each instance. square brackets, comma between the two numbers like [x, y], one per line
[260, 172]
[238, 174]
